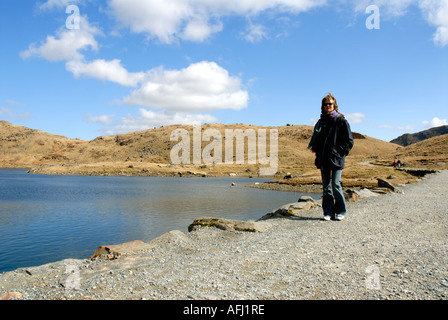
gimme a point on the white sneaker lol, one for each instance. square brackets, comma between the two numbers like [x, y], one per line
[327, 218]
[340, 217]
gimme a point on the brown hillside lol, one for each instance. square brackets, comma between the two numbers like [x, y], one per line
[22, 147]
[148, 153]
[432, 153]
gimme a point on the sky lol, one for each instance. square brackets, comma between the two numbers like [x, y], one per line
[84, 68]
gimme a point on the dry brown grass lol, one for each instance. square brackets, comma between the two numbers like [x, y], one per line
[148, 153]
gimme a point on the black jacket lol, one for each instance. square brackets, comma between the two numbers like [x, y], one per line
[332, 141]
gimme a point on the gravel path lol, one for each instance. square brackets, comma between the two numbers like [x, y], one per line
[392, 246]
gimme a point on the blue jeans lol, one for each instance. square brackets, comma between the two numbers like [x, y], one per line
[333, 201]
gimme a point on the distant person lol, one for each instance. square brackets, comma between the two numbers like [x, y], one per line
[332, 140]
[397, 163]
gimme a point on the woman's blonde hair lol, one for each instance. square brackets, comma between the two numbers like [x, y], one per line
[326, 99]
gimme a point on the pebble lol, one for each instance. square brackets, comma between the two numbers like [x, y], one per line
[393, 246]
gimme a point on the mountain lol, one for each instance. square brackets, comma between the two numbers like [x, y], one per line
[411, 138]
[148, 152]
[22, 147]
[432, 152]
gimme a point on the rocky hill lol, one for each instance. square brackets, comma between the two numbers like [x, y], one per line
[432, 152]
[22, 147]
[147, 153]
[411, 138]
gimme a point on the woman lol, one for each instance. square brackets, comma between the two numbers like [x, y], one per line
[331, 142]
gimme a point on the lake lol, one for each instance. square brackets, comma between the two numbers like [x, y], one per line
[45, 218]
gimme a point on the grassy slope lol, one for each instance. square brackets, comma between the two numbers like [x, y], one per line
[148, 153]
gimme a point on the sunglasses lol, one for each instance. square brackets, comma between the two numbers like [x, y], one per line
[328, 104]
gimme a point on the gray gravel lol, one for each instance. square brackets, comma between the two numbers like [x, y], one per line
[392, 246]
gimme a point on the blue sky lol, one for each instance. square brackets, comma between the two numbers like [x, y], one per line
[125, 65]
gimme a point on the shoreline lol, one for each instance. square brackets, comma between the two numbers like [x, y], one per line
[295, 257]
[311, 188]
[308, 181]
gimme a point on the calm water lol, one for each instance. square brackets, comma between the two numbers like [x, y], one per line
[49, 218]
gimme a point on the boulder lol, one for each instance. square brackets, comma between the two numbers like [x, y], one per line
[290, 209]
[288, 176]
[111, 252]
[382, 183]
[418, 172]
[365, 193]
[351, 195]
[306, 199]
[309, 199]
[225, 224]
[382, 190]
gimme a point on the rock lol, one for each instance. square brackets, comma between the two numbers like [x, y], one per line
[351, 195]
[305, 199]
[382, 190]
[288, 176]
[111, 252]
[290, 210]
[365, 193]
[123, 141]
[418, 172]
[382, 183]
[314, 202]
[225, 224]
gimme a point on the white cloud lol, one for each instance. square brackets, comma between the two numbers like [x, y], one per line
[149, 119]
[202, 86]
[15, 103]
[435, 122]
[387, 7]
[356, 118]
[194, 20]
[409, 127]
[8, 113]
[199, 30]
[103, 119]
[105, 70]
[67, 45]
[57, 4]
[436, 12]
[255, 33]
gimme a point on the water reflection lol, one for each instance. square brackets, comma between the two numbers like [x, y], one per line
[49, 218]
